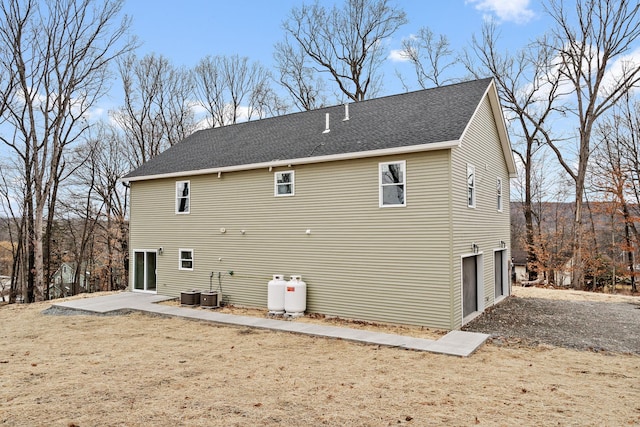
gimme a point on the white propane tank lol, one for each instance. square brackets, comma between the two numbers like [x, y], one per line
[295, 297]
[275, 294]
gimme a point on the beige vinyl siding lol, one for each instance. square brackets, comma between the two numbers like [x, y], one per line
[359, 260]
[483, 224]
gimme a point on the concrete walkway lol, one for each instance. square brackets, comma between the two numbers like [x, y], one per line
[456, 343]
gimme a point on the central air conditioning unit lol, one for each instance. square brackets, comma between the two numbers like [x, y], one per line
[210, 299]
[191, 297]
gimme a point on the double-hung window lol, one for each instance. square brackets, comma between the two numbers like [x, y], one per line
[471, 186]
[393, 184]
[499, 194]
[284, 182]
[186, 259]
[183, 197]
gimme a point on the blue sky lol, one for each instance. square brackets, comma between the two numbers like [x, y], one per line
[189, 30]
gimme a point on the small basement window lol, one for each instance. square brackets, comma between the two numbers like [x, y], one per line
[392, 184]
[183, 196]
[186, 259]
[284, 183]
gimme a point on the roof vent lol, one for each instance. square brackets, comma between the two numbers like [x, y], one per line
[326, 127]
[346, 112]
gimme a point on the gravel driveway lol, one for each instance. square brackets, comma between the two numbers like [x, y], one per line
[584, 325]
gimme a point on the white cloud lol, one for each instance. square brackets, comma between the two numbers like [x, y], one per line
[200, 115]
[505, 10]
[95, 114]
[614, 74]
[620, 68]
[397, 55]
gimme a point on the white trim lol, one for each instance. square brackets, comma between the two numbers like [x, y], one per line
[291, 183]
[479, 284]
[506, 273]
[501, 124]
[180, 267]
[133, 271]
[303, 161]
[404, 183]
[178, 197]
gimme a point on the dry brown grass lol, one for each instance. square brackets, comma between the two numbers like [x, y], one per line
[570, 294]
[137, 370]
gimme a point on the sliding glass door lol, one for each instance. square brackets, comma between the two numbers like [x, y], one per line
[144, 271]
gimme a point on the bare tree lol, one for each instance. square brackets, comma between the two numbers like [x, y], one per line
[552, 236]
[616, 167]
[591, 39]
[101, 172]
[12, 190]
[347, 43]
[245, 82]
[156, 113]
[530, 93]
[264, 101]
[230, 88]
[79, 218]
[58, 55]
[301, 81]
[431, 57]
[209, 86]
[238, 79]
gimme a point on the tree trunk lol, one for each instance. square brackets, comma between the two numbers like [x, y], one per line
[38, 275]
[109, 230]
[578, 265]
[18, 263]
[30, 291]
[532, 257]
[47, 250]
[629, 246]
[124, 246]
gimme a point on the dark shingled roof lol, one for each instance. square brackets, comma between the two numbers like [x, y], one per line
[422, 117]
[519, 256]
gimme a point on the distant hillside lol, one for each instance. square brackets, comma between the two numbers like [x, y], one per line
[558, 218]
[4, 230]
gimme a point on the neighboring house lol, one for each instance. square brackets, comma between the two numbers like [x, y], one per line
[393, 209]
[599, 269]
[564, 277]
[5, 287]
[519, 266]
[62, 280]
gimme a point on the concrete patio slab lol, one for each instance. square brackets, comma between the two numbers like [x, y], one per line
[115, 302]
[456, 343]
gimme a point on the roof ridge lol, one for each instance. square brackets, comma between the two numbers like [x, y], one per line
[364, 101]
[392, 122]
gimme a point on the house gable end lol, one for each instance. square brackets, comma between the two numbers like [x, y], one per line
[496, 109]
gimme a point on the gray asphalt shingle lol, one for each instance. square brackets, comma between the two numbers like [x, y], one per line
[421, 117]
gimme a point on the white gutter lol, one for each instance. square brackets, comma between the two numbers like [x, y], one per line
[302, 161]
